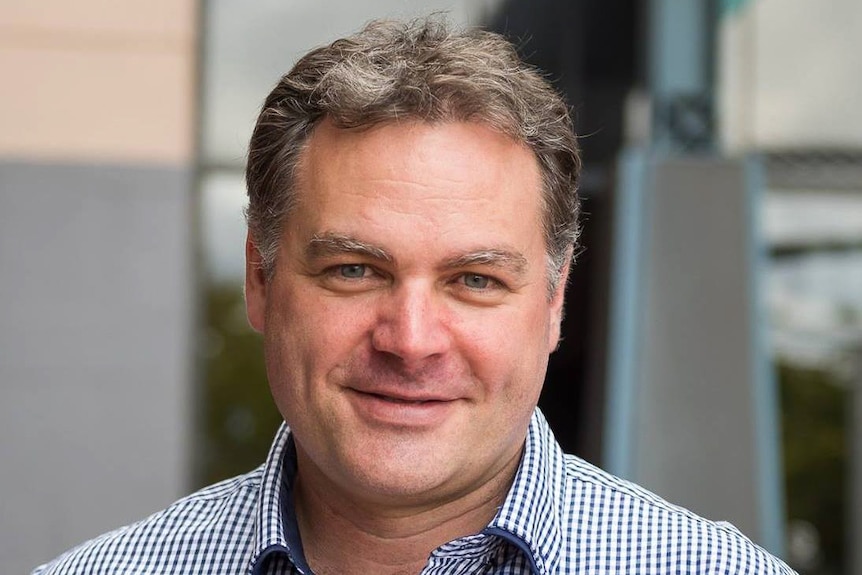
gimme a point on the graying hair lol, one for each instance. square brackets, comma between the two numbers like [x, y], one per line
[419, 70]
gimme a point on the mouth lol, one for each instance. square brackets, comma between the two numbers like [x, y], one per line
[402, 400]
[401, 410]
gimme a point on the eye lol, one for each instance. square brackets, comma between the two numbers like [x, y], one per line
[350, 278]
[352, 271]
[476, 281]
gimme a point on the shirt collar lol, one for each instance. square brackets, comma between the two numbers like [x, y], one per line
[274, 488]
[530, 512]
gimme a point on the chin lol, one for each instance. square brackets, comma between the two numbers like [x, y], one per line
[409, 476]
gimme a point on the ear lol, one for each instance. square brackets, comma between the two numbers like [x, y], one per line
[556, 304]
[255, 285]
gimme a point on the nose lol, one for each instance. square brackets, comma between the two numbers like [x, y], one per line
[410, 324]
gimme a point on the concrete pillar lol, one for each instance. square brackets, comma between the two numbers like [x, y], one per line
[692, 411]
[96, 270]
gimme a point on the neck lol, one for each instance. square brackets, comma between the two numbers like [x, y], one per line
[342, 534]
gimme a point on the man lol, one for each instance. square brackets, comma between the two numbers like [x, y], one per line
[412, 217]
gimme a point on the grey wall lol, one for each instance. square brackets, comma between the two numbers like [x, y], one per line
[696, 440]
[692, 399]
[95, 351]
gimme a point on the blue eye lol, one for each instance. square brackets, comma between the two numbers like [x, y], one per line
[352, 271]
[476, 281]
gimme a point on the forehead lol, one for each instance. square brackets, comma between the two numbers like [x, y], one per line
[459, 180]
[472, 153]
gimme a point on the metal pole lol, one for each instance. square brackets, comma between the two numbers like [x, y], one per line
[854, 535]
[682, 64]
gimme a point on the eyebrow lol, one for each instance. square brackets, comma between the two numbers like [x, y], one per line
[502, 259]
[331, 244]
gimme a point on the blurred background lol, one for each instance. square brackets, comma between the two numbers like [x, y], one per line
[713, 341]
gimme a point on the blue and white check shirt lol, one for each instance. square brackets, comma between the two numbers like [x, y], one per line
[562, 515]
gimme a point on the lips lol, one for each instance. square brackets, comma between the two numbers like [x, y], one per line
[401, 399]
[399, 408]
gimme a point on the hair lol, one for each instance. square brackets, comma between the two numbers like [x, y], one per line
[420, 70]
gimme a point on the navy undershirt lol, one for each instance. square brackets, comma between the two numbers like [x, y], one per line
[291, 527]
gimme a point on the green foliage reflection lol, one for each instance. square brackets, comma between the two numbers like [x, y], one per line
[815, 428]
[238, 416]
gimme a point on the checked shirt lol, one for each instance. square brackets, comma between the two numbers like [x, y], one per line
[561, 516]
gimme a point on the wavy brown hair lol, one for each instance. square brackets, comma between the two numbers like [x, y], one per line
[421, 70]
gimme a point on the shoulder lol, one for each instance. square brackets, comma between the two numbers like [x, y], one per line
[215, 521]
[610, 518]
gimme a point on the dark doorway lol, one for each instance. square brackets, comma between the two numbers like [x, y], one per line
[590, 50]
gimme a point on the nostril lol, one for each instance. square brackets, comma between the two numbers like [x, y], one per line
[409, 343]
[410, 324]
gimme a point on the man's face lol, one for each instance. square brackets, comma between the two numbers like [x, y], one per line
[407, 327]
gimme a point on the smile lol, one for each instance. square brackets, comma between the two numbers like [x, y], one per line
[397, 410]
[403, 400]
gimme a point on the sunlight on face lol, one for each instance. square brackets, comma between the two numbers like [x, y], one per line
[408, 326]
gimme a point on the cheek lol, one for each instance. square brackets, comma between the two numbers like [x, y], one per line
[285, 366]
[507, 352]
[288, 337]
[307, 338]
